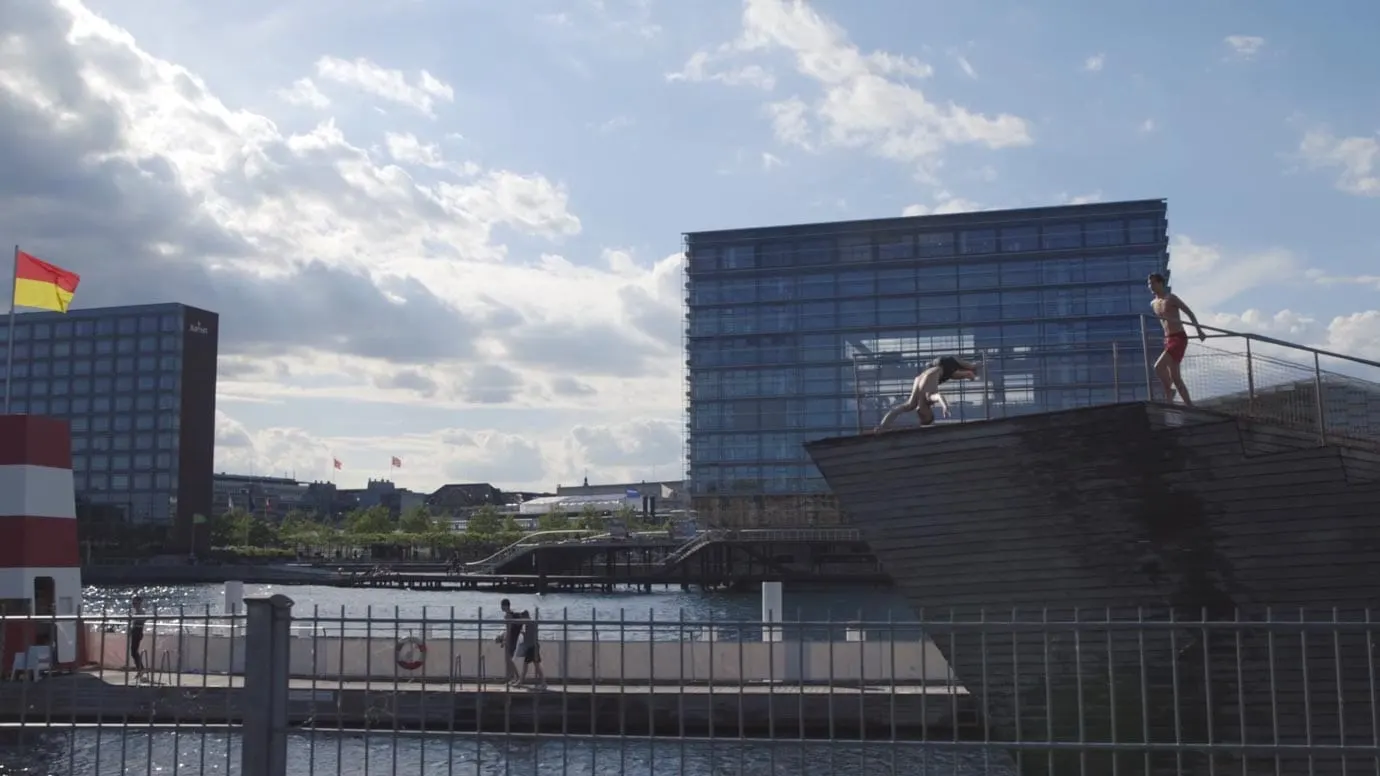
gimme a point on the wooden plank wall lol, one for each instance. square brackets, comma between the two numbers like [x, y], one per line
[1138, 510]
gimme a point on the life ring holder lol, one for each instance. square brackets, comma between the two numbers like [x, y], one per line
[418, 650]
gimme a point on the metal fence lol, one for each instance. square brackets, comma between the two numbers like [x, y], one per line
[274, 692]
[1243, 374]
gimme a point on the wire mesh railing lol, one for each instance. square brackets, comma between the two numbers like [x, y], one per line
[1008, 692]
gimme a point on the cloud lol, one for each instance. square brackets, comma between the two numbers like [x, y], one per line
[770, 160]
[1244, 46]
[1095, 63]
[304, 93]
[366, 272]
[391, 85]
[944, 203]
[1081, 199]
[865, 101]
[1356, 160]
[698, 68]
[1322, 278]
[966, 67]
[1147, 127]
[1208, 276]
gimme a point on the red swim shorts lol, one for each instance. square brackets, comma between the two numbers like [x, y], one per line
[1175, 345]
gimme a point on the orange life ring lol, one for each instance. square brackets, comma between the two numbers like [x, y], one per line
[417, 651]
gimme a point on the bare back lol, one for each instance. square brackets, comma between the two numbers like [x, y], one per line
[1167, 309]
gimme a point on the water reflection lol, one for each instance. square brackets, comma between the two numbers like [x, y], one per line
[92, 752]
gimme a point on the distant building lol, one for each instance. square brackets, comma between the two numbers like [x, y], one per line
[138, 385]
[462, 499]
[795, 333]
[383, 493]
[270, 498]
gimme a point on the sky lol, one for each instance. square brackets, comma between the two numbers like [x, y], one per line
[450, 230]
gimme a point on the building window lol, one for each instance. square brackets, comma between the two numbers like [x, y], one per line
[148, 324]
[128, 326]
[167, 382]
[142, 482]
[1020, 238]
[170, 363]
[739, 257]
[60, 407]
[124, 403]
[43, 331]
[83, 328]
[124, 365]
[1020, 305]
[170, 322]
[122, 423]
[934, 245]
[101, 442]
[100, 424]
[21, 350]
[819, 286]
[79, 463]
[143, 442]
[1017, 273]
[977, 241]
[857, 284]
[119, 463]
[896, 311]
[61, 387]
[105, 347]
[119, 482]
[1104, 233]
[38, 406]
[20, 407]
[81, 367]
[166, 442]
[101, 385]
[82, 348]
[22, 332]
[39, 388]
[124, 345]
[163, 461]
[170, 343]
[145, 422]
[148, 344]
[855, 250]
[896, 281]
[979, 276]
[39, 368]
[939, 309]
[62, 330]
[1144, 231]
[144, 403]
[980, 307]
[43, 350]
[895, 247]
[100, 404]
[148, 363]
[104, 366]
[99, 482]
[80, 405]
[62, 368]
[1063, 236]
[857, 313]
[936, 279]
[121, 442]
[78, 445]
[100, 463]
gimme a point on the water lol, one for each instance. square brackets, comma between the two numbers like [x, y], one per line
[627, 615]
[92, 753]
[140, 750]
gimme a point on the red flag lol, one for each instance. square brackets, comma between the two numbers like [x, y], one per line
[397, 462]
[336, 462]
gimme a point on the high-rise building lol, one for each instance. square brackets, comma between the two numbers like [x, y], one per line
[796, 333]
[138, 385]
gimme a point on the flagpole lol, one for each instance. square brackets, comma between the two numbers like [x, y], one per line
[9, 350]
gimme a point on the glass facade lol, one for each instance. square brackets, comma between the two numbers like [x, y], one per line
[799, 333]
[116, 375]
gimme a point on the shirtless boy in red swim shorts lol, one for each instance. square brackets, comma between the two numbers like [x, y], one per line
[1167, 308]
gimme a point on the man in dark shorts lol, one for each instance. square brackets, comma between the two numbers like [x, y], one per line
[924, 392]
[530, 650]
[136, 636]
[1168, 308]
[512, 631]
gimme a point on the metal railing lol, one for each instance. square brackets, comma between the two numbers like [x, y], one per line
[526, 543]
[1248, 375]
[1251, 375]
[1009, 692]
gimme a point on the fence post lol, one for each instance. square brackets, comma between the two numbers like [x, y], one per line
[1318, 398]
[1250, 380]
[1116, 374]
[263, 747]
[1145, 351]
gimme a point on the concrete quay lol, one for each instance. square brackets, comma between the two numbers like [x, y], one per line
[762, 710]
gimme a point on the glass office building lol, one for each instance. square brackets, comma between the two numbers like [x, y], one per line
[138, 385]
[796, 333]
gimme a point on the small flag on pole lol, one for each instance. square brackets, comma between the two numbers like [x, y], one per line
[42, 285]
[337, 464]
[397, 462]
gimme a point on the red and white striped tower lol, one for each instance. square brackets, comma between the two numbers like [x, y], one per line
[40, 564]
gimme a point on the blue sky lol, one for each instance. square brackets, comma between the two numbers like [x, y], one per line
[500, 234]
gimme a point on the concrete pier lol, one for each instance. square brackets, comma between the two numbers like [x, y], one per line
[756, 711]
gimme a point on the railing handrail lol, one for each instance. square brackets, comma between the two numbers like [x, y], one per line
[1270, 341]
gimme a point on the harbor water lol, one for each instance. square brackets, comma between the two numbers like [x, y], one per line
[140, 749]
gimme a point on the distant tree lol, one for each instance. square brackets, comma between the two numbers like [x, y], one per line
[238, 528]
[590, 519]
[417, 520]
[374, 520]
[630, 517]
[485, 521]
[511, 527]
[554, 520]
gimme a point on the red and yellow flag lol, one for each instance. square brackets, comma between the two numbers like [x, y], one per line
[40, 284]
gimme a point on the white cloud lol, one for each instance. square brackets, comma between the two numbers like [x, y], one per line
[1147, 127]
[698, 68]
[866, 101]
[1207, 276]
[1356, 160]
[338, 274]
[391, 85]
[967, 67]
[303, 92]
[1244, 46]
[944, 202]
[770, 160]
[1323, 278]
[1081, 199]
[1095, 63]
